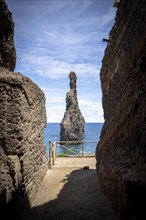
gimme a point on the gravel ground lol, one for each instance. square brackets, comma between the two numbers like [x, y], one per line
[70, 192]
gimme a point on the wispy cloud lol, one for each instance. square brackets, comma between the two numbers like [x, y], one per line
[55, 69]
[53, 38]
[56, 105]
[63, 36]
[92, 111]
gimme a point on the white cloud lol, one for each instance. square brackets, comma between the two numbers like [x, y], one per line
[92, 110]
[54, 69]
[55, 103]
[53, 38]
[59, 37]
[55, 106]
[107, 17]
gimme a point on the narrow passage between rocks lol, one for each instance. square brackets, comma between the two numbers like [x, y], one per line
[70, 192]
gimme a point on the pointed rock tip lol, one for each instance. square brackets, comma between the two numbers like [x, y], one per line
[72, 75]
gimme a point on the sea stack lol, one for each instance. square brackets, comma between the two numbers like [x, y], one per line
[72, 124]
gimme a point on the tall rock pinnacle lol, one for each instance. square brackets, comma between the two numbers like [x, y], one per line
[72, 124]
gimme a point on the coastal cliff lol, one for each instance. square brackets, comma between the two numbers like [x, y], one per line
[23, 154]
[23, 162]
[72, 124]
[121, 151]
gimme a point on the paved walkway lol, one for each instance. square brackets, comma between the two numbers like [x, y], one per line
[70, 192]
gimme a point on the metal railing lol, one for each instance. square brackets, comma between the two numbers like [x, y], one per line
[68, 150]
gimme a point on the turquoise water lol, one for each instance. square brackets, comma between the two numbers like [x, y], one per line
[92, 132]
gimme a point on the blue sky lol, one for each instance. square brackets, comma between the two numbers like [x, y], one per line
[55, 37]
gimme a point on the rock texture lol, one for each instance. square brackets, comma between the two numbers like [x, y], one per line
[22, 151]
[72, 124]
[23, 162]
[7, 48]
[121, 151]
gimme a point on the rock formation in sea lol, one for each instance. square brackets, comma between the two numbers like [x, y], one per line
[23, 161]
[7, 48]
[121, 151]
[72, 124]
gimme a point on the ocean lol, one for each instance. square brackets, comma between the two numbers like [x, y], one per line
[92, 132]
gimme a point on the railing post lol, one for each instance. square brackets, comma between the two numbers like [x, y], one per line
[53, 153]
[55, 149]
[83, 149]
[50, 154]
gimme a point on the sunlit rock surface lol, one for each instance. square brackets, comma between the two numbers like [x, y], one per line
[23, 161]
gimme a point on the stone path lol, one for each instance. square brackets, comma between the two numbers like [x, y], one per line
[69, 192]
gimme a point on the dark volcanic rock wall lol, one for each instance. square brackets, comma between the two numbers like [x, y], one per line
[7, 48]
[23, 154]
[72, 124]
[23, 161]
[121, 152]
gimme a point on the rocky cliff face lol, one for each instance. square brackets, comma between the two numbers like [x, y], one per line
[23, 161]
[121, 152]
[7, 48]
[23, 154]
[72, 125]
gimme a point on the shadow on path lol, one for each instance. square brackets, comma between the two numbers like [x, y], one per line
[80, 199]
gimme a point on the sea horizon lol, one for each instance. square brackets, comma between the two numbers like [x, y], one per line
[92, 132]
